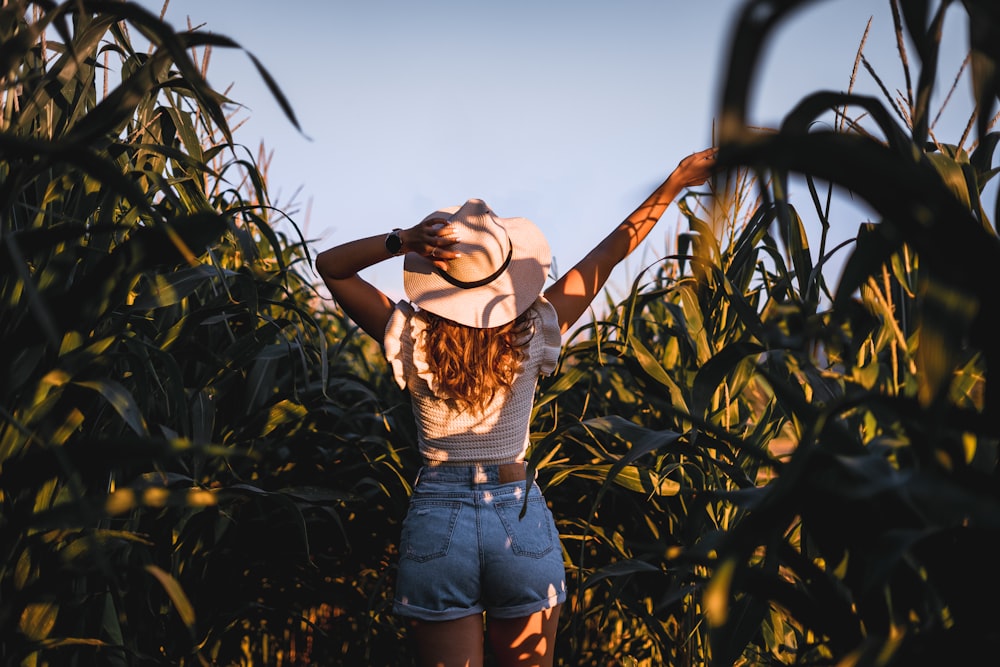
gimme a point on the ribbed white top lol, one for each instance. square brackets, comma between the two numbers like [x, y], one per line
[497, 434]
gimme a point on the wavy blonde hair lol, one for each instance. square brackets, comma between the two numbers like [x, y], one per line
[471, 365]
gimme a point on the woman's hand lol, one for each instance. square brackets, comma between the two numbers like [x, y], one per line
[695, 169]
[433, 239]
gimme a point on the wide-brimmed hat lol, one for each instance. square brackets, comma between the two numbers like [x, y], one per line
[503, 266]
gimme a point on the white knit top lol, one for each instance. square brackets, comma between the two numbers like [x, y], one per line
[445, 432]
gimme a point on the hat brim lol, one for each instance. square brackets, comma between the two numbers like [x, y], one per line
[495, 303]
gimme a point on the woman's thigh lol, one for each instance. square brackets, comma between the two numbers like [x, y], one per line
[529, 640]
[445, 643]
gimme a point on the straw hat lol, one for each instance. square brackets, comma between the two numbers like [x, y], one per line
[503, 265]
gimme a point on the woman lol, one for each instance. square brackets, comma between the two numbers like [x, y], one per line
[469, 346]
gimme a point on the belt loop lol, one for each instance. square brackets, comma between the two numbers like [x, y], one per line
[479, 474]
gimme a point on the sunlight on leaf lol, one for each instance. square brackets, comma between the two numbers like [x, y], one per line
[38, 619]
[201, 498]
[716, 597]
[155, 496]
[56, 378]
[655, 369]
[120, 501]
[176, 594]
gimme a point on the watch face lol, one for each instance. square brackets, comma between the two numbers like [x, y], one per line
[393, 243]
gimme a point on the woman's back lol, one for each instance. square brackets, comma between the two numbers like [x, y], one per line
[450, 430]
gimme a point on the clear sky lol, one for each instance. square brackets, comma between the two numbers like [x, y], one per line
[565, 112]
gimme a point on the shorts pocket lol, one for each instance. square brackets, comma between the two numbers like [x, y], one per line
[532, 535]
[428, 528]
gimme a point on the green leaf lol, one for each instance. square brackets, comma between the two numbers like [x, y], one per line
[121, 400]
[176, 594]
[655, 370]
[38, 619]
[167, 289]
[621, 568]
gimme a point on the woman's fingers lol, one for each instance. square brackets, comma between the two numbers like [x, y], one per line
[437, 236]
[696, 168]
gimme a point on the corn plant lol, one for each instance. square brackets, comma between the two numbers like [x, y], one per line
[200, 464]
[777, 469]
[189, 447]
[873, 542]
[652, 416]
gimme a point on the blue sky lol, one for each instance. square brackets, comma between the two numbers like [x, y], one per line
[567, 113]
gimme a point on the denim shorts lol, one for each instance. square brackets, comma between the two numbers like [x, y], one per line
[465, 551]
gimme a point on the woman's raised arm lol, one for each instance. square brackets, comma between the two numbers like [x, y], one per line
[573, 293]
[363, 302]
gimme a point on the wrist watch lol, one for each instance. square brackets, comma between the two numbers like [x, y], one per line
[393, 244]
